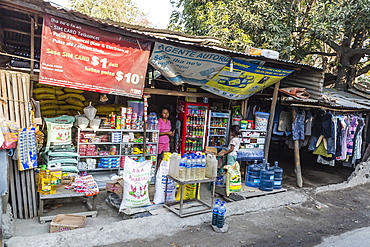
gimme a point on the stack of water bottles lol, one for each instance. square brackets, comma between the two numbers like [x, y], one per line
[152, 121]
[218, 214]
[188, 167]
[264, 177]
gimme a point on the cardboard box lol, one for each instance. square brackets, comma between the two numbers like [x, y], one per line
[115, 186]
[211, 150]
[66, 222]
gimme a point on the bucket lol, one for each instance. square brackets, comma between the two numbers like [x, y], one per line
[261, 120]
[243, 124]
[137, 107]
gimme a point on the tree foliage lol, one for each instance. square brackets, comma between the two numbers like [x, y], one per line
[116, 10]
[333, 32]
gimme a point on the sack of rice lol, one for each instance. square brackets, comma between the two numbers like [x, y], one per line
[105, 108]
[72, 90]
[49, 107]
[41, 90]
[71, 95]
[45, 96]
[74, 101]
[48, 102]
[71, 107]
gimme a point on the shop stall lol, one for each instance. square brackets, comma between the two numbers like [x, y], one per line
[97, 89]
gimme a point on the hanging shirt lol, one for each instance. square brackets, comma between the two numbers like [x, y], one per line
[164, 127]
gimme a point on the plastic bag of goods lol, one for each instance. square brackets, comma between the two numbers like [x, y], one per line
[59, 130]
[136, 176]
[160, 184]
[233, 178]
[9, 135]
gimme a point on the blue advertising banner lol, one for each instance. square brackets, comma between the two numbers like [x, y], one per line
[182, 65]
[239, 79]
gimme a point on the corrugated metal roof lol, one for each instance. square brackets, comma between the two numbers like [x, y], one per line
[343, 99]
[208, 43]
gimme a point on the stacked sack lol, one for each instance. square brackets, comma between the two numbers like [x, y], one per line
[48, 97]
[74, 101]
[57, 101]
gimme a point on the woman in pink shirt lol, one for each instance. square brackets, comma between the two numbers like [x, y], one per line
[165, 131]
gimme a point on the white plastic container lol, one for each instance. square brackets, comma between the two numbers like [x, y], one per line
[174, 165]
[211, 167]
[270, 54]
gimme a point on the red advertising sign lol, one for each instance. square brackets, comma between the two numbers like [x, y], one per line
[82, 57]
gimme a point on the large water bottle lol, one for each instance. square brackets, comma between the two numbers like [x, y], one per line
[215, 212]
[193, 167]
[203, 168]
[253, 175]
[198, 167]
[182, 168]
[221, 215]
[267, 178]
[188, 168]
[278, 176]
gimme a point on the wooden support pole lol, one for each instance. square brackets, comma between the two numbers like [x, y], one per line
[297, 160]
[271, 120]
[32, 45]
[244, 108]
[364, 142]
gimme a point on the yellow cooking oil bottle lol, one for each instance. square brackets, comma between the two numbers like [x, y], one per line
[41, 174]
[46, 183]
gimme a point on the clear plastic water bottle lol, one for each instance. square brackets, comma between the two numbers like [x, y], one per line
[221, 215]
[182, 168]
[215, 212]
[203, 168]
[188, 168]
[278, 175]
[156, 124]
[193, 167]
[198, 167]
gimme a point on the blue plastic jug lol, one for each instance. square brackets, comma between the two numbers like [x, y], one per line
[267, 178]
[253, 175]
[278, 176]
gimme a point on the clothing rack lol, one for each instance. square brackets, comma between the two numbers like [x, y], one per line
[328, 108]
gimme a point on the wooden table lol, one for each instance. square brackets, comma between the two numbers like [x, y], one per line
[63, 194]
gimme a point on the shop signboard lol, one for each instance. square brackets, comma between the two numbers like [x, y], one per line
[183, 65]
[239, 79]
[82, 57]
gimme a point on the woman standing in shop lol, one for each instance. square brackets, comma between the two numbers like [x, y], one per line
[165, 131]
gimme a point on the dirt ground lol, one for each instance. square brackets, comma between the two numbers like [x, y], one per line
[326, 214]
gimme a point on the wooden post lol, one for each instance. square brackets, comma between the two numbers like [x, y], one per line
[271, 120]
[244, 108]
[364, 142]
[297, 161]
[32, 45]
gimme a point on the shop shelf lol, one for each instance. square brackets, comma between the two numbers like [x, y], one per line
[252, 130]
[115, 130]
[98, 169]
[217, 127]
[218, 135]
[99, 143]
[100, 156]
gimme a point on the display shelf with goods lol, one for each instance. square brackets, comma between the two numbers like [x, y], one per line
[218, 129]
[252, 143]
[194, 117]
[105, 149]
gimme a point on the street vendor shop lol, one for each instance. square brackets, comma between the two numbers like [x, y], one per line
[92, 106]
